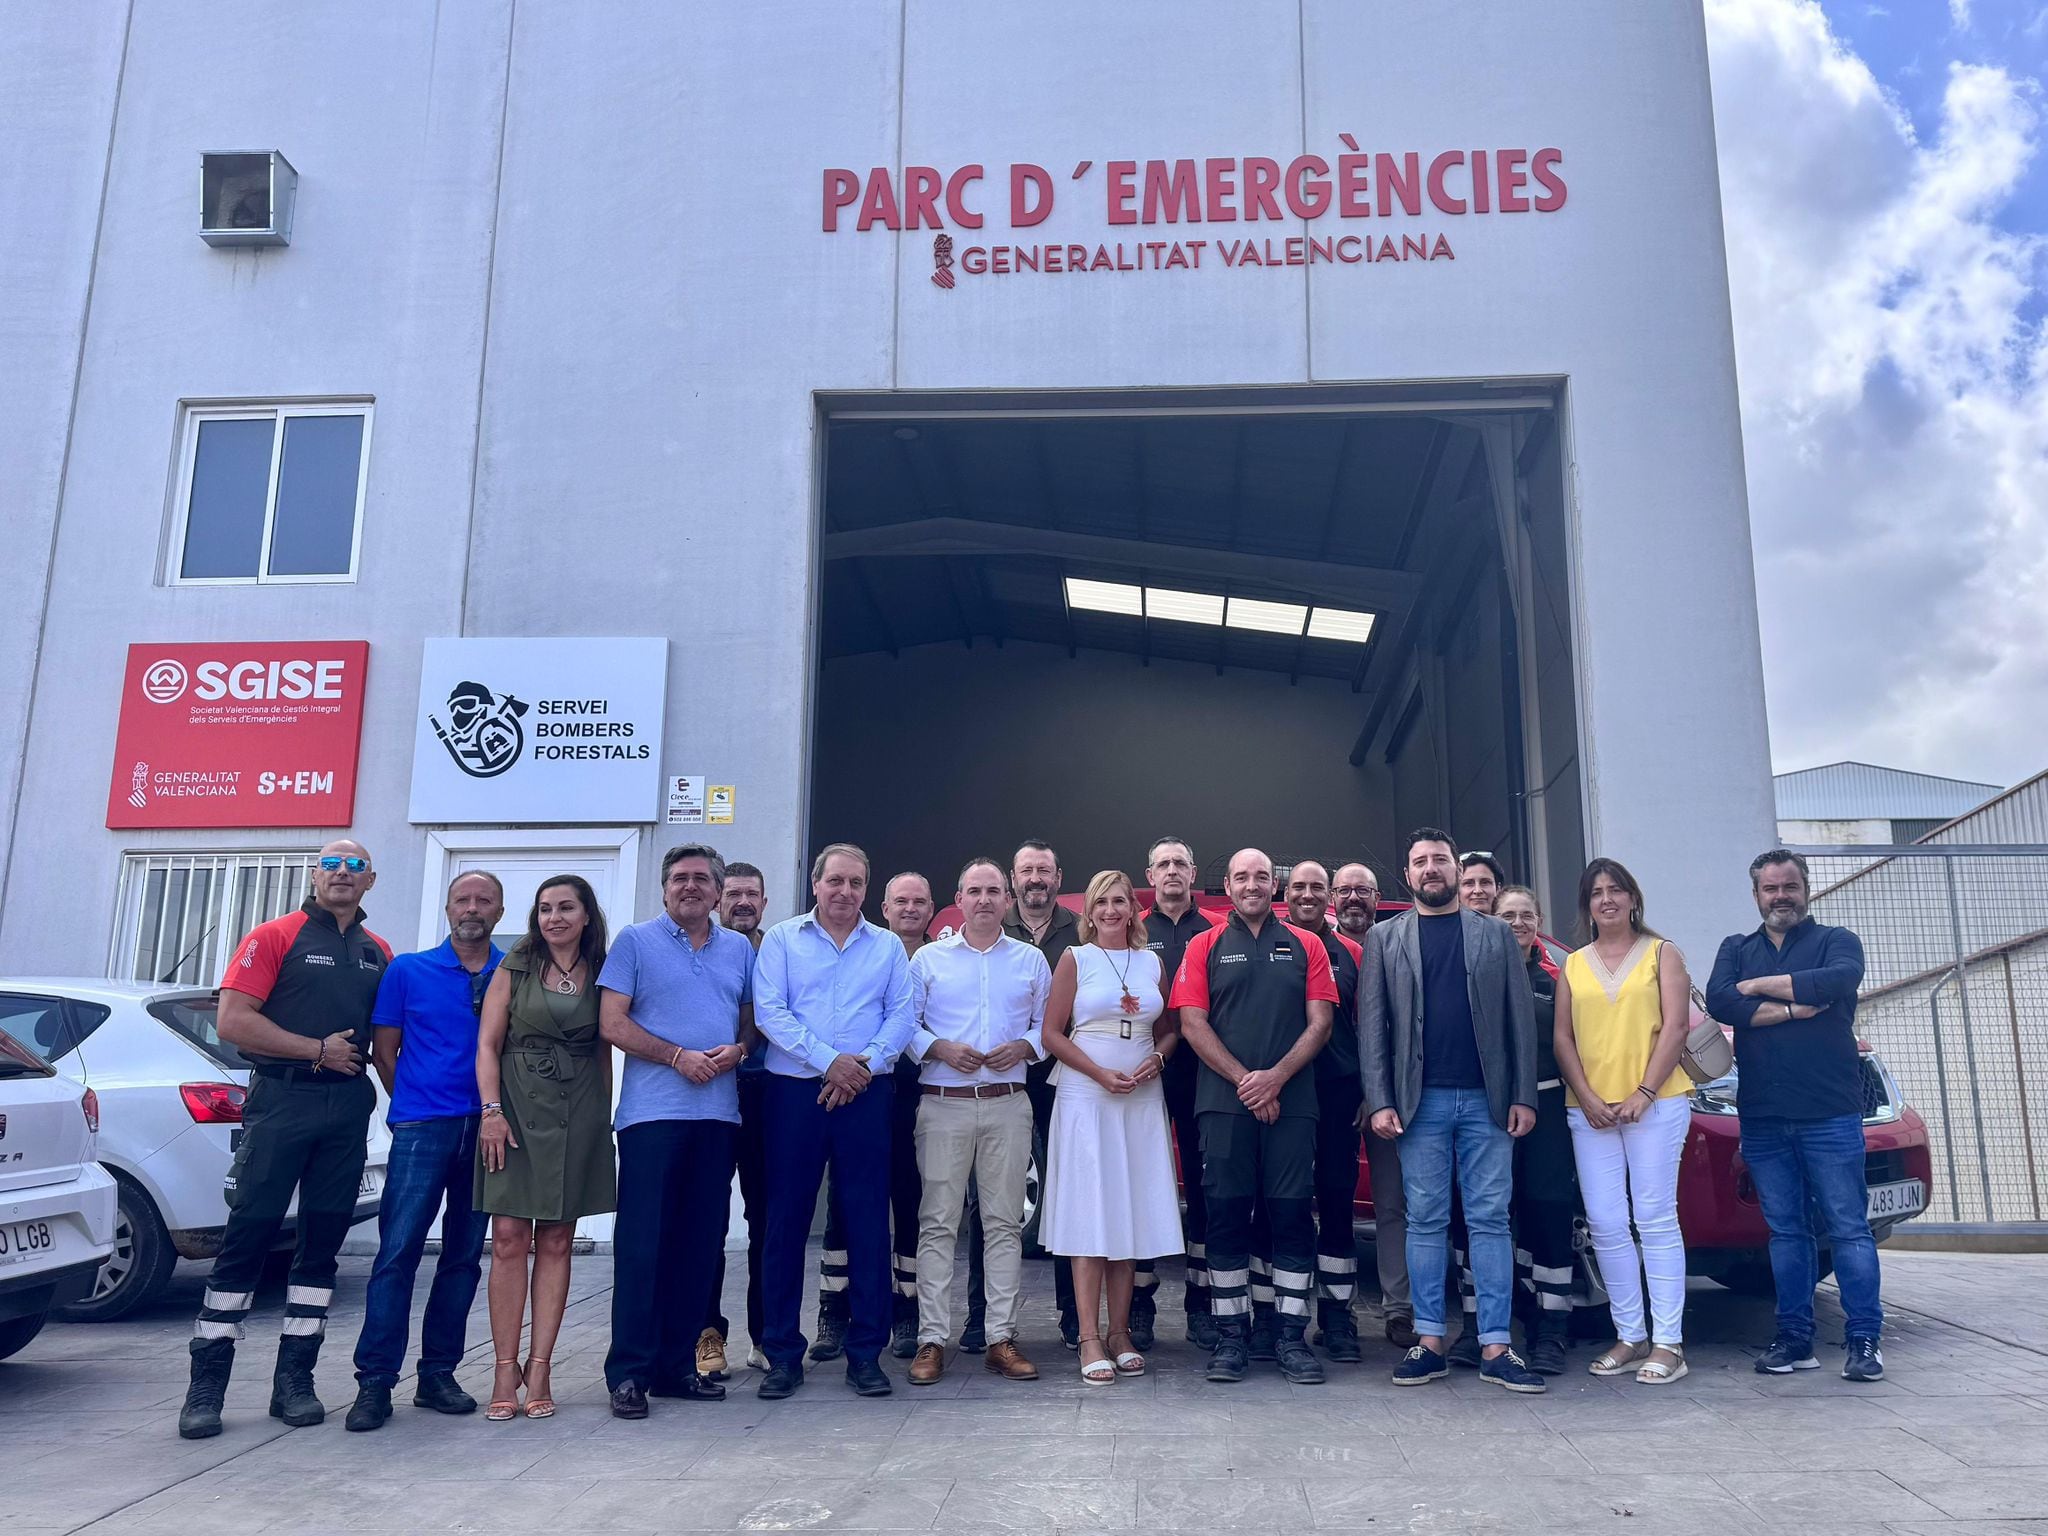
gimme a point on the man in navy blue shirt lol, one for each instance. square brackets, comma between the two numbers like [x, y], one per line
[425, 1051]
[1788, 990]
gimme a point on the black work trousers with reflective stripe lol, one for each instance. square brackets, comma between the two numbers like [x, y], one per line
[1179, 1082]
[1545, 1205]
[1244, 1164]
[302, 1135]
[1336, 1189]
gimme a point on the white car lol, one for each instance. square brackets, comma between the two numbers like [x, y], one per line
[170, 1097]
[56, 1203]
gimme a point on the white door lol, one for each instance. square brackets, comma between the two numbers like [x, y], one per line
[524, 858]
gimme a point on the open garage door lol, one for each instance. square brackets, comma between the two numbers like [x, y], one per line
[1302, 620]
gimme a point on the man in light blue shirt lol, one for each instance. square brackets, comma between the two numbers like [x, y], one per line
[675, 993]
[832, 996]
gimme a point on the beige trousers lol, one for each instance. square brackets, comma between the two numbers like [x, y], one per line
[988, 1140]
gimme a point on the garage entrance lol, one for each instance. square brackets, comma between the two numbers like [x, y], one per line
[1305, 620]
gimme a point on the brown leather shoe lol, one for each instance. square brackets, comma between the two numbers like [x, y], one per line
[929, 1365]
[1008, 1362]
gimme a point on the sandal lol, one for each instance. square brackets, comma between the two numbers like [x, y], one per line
[539, 1407]
[1128, 1361]
[1622, 1357]
[1097, 1372]
[504, 1409]
[1658, 1372]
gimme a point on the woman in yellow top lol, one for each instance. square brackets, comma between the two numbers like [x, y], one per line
[1621, 1023]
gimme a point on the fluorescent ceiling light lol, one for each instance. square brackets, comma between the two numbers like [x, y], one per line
[1106, 597]
[1268, 618]
[1339, 624]
[1187, 607]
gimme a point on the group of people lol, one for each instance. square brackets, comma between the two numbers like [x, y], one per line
[1494, 1090]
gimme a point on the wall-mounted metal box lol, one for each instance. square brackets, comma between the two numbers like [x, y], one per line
[245, 198]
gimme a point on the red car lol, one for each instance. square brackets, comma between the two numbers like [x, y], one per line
[1725, 1235]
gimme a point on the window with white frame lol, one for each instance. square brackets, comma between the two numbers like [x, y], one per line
[270, 493]
[182, 914]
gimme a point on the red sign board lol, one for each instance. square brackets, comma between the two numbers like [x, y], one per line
[252, 735]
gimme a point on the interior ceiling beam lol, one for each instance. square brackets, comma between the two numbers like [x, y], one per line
[1373, 589]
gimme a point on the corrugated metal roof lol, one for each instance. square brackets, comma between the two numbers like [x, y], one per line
[2020, 815]
[1850, 791]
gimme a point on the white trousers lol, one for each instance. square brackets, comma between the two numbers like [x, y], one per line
[1632, 1170]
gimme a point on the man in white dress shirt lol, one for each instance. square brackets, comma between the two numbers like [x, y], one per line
[979, 999]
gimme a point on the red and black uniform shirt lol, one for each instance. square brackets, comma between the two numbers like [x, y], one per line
[310, 977]
[1256, 989]
[1339, 1059]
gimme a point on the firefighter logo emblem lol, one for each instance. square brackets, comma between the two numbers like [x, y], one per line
[483, 733]
[942, 261]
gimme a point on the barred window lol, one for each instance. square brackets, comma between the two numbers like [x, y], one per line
[182, 914]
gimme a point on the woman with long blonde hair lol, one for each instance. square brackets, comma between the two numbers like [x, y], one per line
[1110, 1197]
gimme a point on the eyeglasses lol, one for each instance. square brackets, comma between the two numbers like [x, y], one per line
[353, 863]
[478, 983]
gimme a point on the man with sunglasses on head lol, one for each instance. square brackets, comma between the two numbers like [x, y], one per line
[426, 1018]
[297, 1001]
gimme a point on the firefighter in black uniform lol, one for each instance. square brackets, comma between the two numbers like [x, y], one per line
[1340, 1096]
[1255, 998]
[296, 1001]
[1172, 922]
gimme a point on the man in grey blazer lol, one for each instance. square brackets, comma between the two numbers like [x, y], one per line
[1447, 1049]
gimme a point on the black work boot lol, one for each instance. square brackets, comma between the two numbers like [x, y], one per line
[1260, 1343]
[1232, 1357]
[1549, 1337]
[369, 1411]
[831, 1342]
[903, 1329]
[1339, 1332]
[213, 1360]
[291, 1385]
[1201, 1323]
[1144, 1319]
[1298, 1363]
[1465, 1349]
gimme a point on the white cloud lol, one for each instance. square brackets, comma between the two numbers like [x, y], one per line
[1895, 400]
[1959, 13]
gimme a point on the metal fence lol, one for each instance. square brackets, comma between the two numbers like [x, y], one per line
[1955, 1002]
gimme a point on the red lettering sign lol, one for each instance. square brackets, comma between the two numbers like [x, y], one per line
[257, 735]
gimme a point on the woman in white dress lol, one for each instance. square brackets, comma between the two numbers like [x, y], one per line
[1110, 1196]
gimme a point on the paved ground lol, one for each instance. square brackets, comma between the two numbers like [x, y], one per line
[1956, 1441]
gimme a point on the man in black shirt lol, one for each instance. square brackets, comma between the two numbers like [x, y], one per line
[1255, 998]
[1036, 917]
[1173, 920]
[296, 1000]
[1339, 1097]
[1789, 992]
[1447, 1052]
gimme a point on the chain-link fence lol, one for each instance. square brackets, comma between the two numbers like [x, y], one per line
[1955, 1002]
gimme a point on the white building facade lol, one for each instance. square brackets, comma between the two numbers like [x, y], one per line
[574, 296]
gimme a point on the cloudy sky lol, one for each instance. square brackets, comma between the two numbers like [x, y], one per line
[1886, 198]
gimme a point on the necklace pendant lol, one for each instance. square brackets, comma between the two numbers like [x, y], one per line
[1124, 1029]
[1130, 1005]
[565, 986]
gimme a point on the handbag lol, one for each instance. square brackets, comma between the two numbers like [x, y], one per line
[1708, 1053]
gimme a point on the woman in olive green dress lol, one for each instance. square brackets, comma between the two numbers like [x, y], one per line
[544, 1154]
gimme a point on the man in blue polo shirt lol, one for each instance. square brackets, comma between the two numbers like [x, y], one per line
[677, 991]
[425, 1020]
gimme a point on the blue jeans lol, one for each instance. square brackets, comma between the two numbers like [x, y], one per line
[431, 1161]
[1815, 1165]
[1453, 1129]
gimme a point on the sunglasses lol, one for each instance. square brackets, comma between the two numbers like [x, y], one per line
[1474, 857]
[354, 864]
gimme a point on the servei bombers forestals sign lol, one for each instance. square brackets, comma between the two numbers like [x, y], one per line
[1228, 199]
[539, 730]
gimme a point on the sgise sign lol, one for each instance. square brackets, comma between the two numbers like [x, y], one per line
[1245, 191]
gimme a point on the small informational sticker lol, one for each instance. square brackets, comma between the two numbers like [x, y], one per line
[720, 805]
[686, 799]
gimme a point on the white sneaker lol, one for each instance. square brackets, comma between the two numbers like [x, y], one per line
[756, 1361]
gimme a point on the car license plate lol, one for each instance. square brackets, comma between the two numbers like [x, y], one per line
[372, 1182]
[24, 1240]
[1901, 1199]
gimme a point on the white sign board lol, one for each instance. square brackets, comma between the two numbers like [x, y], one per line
[686, 799]
[539, 730]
